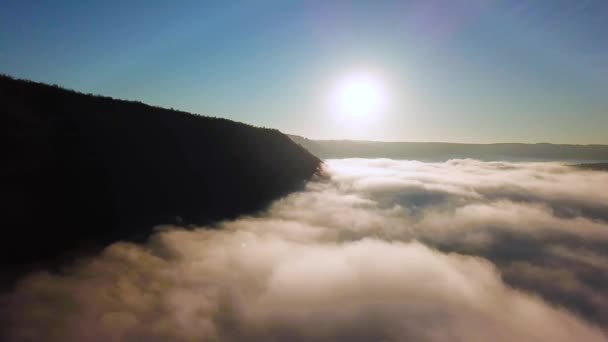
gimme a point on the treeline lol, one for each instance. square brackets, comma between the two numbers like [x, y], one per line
[593, 166]
[431, 151]
[82, 170]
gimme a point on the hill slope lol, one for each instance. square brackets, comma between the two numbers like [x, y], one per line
[444, 151]
[83, 169]
[593, 166]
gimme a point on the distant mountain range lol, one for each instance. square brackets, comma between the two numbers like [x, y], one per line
[83, 170]
[593, 166]
[432, 151]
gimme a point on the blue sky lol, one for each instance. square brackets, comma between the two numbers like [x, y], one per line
[461, 71]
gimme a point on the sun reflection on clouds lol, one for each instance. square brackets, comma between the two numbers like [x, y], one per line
[379, 250]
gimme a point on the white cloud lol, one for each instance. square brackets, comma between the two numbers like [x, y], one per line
[381, 250]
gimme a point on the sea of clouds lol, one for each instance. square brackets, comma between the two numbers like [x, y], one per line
[374, 250]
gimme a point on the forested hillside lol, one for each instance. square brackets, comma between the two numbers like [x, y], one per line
[85, 170]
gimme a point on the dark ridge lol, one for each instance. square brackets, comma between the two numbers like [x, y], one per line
[433, 151]
[83, 170]
[593, 166]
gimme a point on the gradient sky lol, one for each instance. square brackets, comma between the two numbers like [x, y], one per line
[460, 71]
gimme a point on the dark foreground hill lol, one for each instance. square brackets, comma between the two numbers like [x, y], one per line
[81, 170]
[444, 151]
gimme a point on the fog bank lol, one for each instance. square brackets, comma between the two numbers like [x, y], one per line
[376, 250]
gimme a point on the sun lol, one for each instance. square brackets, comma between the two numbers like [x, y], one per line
[358, 96]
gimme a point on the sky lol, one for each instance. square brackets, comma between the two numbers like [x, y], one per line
[457, 71]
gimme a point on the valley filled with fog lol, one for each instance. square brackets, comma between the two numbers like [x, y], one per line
[372, 249]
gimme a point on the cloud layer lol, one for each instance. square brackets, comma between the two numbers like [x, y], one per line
[377, 250]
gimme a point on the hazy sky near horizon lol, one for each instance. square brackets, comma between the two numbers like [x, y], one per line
[461, 71]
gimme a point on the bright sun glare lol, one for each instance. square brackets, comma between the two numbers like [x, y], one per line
[359, 96]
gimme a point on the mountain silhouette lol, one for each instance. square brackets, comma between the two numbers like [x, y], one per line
[83, 170]
[436, 151]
